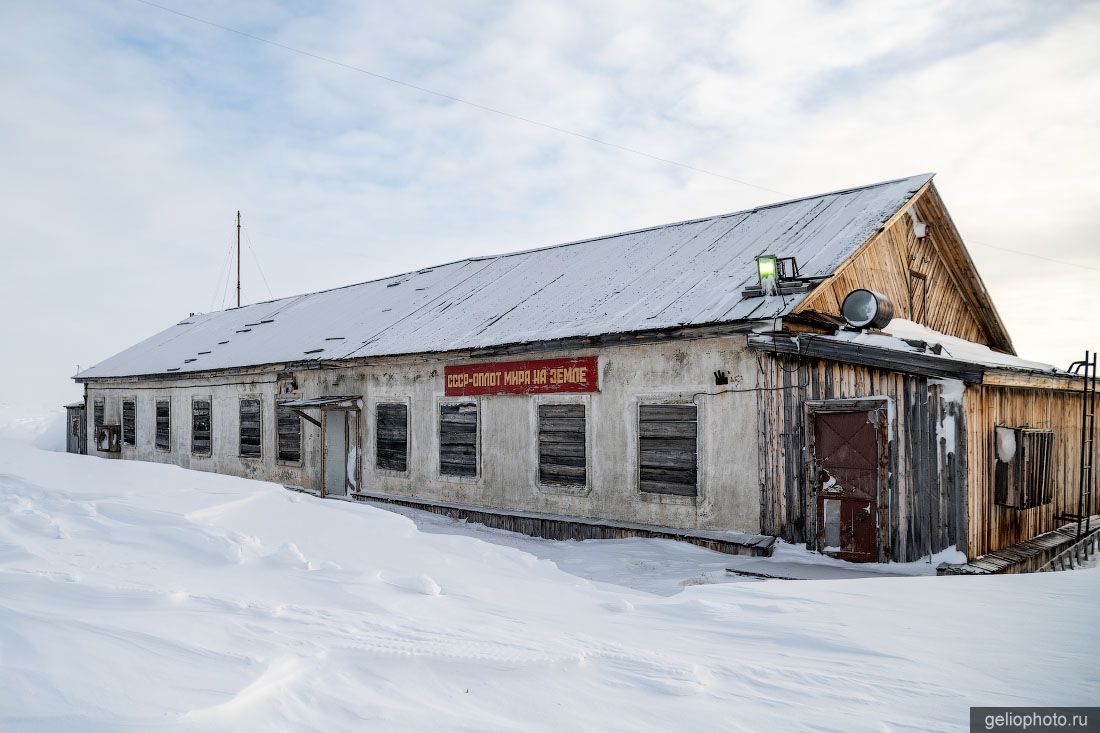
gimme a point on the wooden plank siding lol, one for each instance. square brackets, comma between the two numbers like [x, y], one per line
[933, 276]
[458, 439]
[668, 459]
[251, 428]
[163, 435]
[994, 527]
[200, 427]
[562, 444]
[392, 436]
[560, 527]
[129, 431]
[925, 486]
[288, 434]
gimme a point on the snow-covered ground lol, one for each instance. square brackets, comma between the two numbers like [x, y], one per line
[143, 597]
[667, 567]
[40, 425]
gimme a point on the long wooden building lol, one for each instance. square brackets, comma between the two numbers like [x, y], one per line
[694, 380]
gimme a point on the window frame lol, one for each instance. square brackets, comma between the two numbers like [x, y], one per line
[99, 412]
[392, 402]
[557, 400]
[662, 496]
[156, 424]
[133, 418]
[240, 428]
[1027, 481]
[208, 399]
[458, 478]
[278, 436]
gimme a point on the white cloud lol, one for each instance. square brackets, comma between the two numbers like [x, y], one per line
[131, 136]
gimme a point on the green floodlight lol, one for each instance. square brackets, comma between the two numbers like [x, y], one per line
[767, 267]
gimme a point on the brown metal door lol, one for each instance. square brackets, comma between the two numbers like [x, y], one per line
[847, 456]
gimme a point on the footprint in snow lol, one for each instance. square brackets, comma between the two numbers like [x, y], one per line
[619, 605]
[416, 583]
[290, 555]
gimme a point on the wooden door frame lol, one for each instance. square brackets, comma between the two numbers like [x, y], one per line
[347, 436]
[879, 405]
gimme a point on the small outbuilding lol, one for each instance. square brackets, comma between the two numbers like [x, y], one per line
[76, 428]
[703, 380]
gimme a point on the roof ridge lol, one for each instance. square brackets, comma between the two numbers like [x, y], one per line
[627, 232]
[754, 209]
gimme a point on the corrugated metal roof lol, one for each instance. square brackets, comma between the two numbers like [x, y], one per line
[688, 273]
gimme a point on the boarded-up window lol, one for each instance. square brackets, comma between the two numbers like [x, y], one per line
[97, 413]
[289, 434]
[129, 431]
[200, 427]
[251, 439]
[458, 439]
[667, 449]
[561, 445]
[1024, 466]
[164, 425]
[392, 436]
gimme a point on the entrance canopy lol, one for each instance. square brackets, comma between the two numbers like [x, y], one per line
[334, 402]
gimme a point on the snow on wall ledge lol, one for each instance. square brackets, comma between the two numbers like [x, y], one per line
[953, 347]
[689, 273]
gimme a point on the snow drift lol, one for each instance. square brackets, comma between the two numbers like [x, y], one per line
[146, 597]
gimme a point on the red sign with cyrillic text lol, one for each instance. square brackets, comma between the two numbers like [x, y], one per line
[539, 376]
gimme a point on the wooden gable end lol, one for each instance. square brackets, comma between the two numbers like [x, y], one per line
[931, 281]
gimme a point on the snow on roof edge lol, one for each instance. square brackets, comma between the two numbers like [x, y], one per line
[953, 347]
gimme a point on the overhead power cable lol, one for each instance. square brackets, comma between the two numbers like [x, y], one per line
[256, 259]
[226, 268]
[1032, 254]
[459, 100]
[521, 118]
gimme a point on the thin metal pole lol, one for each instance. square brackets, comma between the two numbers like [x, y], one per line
[1085, 399]
[1091, 486]
[238, 259]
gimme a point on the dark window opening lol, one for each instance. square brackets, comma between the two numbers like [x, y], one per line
[200, 427]
[1024, 467]
[667, 449]
[288, 434]
[392, 436]
[458, 439]
[918, 296]
[250, 435]
[562, 445]
[97, 413]
[164, 425]
[129, 431]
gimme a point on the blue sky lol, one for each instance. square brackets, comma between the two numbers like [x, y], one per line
[130, 137]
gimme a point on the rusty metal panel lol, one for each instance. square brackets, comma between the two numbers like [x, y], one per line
[849, 460]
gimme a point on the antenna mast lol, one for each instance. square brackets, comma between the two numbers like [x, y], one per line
[238, 259]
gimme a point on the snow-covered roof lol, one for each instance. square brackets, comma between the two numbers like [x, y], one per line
[683, 274]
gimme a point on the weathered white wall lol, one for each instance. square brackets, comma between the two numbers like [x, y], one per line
[224, 394]
[680, 371]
